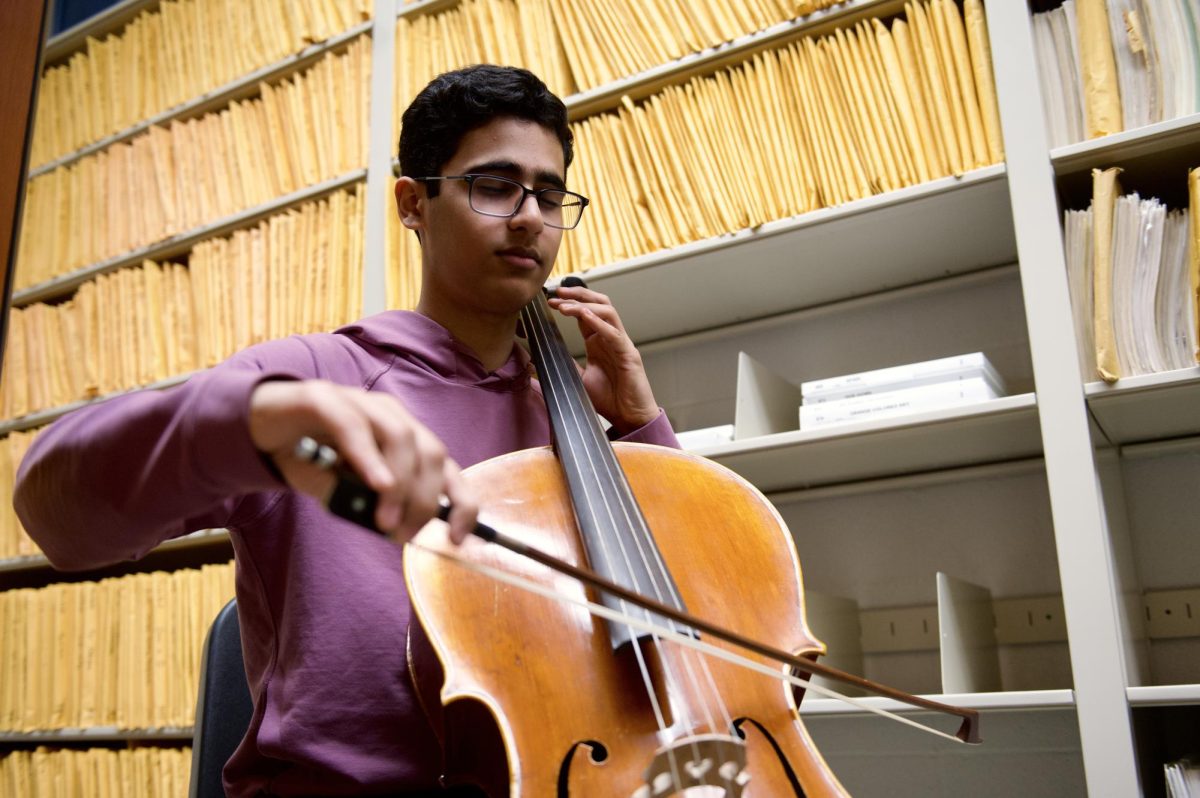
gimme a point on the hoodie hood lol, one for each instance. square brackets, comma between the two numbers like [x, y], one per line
[428, 345]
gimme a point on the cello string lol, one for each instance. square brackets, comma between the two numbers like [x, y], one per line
[635, 522]
[614, 483]
[573, 425]
[567, 378]
[643, 540]
[534, 321]
[601, 611]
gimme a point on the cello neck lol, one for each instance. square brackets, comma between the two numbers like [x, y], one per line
[614, 531]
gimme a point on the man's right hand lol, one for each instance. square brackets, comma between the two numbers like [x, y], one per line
[391, 451]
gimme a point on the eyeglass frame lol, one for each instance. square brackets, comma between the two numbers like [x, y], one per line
[535, 192]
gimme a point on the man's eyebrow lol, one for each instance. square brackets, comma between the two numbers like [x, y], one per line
[551, 178]
[511, 168]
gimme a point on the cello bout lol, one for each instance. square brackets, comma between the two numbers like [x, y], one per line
[541, 676]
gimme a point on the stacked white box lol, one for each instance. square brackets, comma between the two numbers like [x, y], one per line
[899, 390]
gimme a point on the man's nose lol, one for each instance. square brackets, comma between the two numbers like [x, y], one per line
[529, 213]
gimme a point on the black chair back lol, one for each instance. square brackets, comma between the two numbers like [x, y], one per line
[223, 707]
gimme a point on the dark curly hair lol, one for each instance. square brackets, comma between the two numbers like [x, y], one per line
[455, 103]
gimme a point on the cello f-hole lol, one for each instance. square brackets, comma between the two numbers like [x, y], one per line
[597, 754]
[783, 761]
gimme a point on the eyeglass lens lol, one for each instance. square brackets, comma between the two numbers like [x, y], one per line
[498, 196]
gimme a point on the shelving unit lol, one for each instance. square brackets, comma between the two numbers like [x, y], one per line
[210, 100]
[1164, 695]
[871, 245]
[643, 84]
[97, 734]
[44, 417]
[1181, 133]
[179, 244]
[1030, 752]
[1096, 542]
[989, 432]
[1148, 408]
[205, 547]
[1056, 489]
[108, 21]
[1023, 699]
[204, 537]
[1154, 160]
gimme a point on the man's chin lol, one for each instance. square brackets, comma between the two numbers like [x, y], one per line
[512, 295]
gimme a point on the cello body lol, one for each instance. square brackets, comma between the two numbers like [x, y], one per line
[533, 700]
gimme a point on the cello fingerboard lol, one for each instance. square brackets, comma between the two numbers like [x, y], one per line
[617, 539]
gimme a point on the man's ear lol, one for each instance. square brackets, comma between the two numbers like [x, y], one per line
[410, 203]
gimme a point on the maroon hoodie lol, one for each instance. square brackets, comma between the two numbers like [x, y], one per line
[322, 603]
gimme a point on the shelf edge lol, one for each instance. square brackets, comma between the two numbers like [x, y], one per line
[105, 22]
[43, 417]
[219, 96]
[783, 440]
[97, 734]
[182, 242]
[203, 537]
[1163, 695]
[820, 216]
[1018, 699]
[1073, 158]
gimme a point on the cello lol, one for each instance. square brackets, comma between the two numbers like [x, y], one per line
[577, 670]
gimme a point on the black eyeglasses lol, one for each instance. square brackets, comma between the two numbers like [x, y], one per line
[499, 196]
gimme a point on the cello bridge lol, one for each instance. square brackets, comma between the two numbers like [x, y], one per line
[709, 760]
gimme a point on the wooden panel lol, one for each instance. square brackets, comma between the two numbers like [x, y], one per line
[21, 26]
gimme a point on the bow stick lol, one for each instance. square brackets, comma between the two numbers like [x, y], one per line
[353, 500]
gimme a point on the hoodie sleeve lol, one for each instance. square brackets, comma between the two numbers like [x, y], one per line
[657, 432]
[111, 481]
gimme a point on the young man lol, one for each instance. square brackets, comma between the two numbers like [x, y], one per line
[405, 397]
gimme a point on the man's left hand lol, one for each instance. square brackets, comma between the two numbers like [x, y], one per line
[615, 378]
